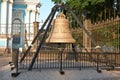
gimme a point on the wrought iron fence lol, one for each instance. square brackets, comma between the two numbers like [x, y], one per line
[70, 60]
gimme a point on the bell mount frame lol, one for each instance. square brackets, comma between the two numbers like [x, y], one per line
[49, 20]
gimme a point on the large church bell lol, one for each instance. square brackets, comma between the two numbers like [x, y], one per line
[60, 32]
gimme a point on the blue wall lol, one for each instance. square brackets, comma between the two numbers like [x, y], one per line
[3, 43]
[19, 6]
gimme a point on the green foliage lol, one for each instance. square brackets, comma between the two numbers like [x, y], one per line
[56, 1]
[84, 9]
[108, 35]
[78, 36]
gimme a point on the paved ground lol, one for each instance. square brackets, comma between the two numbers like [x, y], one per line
[4, 60]
[5, 74]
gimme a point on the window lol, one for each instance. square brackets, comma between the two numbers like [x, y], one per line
[16, 31]
[16, 28]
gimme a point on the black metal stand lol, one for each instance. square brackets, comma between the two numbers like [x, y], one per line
[98, 69]
[15, 74]
[61, 70]
[61, 65]
[50, 17]
[15, 62]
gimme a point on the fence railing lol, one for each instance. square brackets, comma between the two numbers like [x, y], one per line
[70, 60]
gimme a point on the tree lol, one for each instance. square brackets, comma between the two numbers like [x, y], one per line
[84, 8]
[96, 10]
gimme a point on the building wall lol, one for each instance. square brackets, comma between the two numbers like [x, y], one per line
[3, 29]
[0, 15]
[10, 12]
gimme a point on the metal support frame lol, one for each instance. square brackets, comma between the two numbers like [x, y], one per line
[41, 42]
[40, 31]
[51, 15]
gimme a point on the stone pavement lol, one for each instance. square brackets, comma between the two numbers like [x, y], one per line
[4, 60]
[5, 74]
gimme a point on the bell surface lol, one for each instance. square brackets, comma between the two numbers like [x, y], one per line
[60, 32]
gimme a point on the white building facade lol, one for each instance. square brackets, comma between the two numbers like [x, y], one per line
[16, 16]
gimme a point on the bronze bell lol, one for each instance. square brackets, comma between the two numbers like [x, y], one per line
[60, 32]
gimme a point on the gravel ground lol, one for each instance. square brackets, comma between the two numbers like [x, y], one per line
[5, 74]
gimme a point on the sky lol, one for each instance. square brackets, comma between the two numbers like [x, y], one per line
[45, 9]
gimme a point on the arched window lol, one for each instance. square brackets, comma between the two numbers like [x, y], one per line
[16, 27]
[16, 31]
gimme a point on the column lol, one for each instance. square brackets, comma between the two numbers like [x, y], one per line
[9, 37]
[32, 16]
[86, 39]
[37, 16]
[10, 19]
[3, 23]
[27, 28]
[32, 19]
[27, 16]
[27, 21]
[0, 15]
[3, 17]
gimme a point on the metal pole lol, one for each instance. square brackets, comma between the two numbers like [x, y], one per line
[41, 42]
[26, 52]
[60, 60]
[61, 65]
[17, 54]
[97, 62]
[98, 67]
